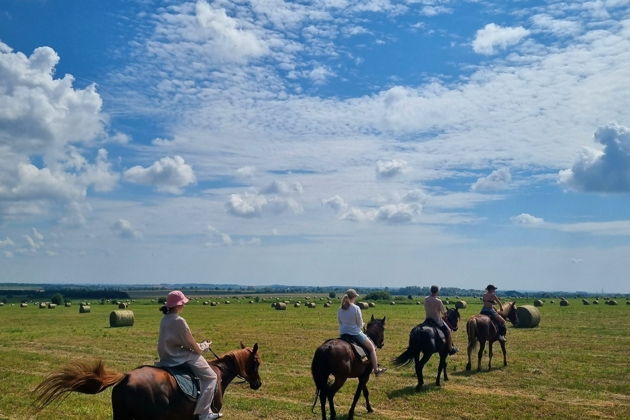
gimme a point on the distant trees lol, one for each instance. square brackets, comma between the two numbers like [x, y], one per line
[379, 295]
[332, 295]
[57, 299]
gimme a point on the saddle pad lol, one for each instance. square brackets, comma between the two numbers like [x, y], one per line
[186, 380]
[358, 349]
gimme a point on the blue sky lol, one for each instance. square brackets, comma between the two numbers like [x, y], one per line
[373, 143]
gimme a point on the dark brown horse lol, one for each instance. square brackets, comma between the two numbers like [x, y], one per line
[481, 328]
[422, 339]
[336, 357]
[147, 393]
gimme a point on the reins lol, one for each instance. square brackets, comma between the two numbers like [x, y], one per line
[242, 381]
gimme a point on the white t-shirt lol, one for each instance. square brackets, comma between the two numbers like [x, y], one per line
[434, 309]
[350, 320]
[175, 342]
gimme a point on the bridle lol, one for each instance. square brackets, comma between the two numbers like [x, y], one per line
[242, 380]
[448, 323]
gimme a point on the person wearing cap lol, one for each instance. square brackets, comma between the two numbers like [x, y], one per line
[489, 299]
[435, 310]
[351, 322]
[177, 346]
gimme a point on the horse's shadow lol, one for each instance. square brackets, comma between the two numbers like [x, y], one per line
[472, 372]
[411, 390]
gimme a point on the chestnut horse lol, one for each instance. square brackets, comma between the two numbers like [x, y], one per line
[147, 392]
[422, 340]
[336, 357]
[481, 328]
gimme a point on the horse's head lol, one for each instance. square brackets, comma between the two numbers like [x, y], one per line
[512, 315]
[376, 331]
[248, 361]
[452, 318]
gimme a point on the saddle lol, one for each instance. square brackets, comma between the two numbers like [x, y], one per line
[358, 349]
[186, 380]
[440, 338]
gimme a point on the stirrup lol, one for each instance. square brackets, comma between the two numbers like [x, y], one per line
[453, 350]
[380, 371]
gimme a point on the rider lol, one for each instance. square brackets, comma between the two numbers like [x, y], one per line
[176, 346]
[351, 322]
[435, 309]
[489, 299]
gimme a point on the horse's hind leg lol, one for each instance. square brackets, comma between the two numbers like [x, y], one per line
[504, 353]
[361, 387]
[490, 355]
[332, 390]
[482, 346]
[419, 366]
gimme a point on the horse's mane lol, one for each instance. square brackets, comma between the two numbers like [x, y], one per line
[238, 357]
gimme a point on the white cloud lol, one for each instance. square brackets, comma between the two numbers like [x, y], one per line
[493, 38]
[499, 179]
[398, 213]
[607, 170]
[390, 168]
[336, 203]
[246, 172]
[527, 219]
[216, 237]
[415, 196]
[7, 242]
[125, 230]
[169, 174]
[283, 188]
[254, 205]
[560, 27]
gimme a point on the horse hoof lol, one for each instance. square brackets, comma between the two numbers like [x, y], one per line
[370, 410]
[418, 387]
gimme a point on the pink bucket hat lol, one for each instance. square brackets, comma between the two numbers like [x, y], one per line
[175, 298]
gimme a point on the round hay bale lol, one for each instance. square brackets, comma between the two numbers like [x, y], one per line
[564, 302]
[52, 306]
[461, 304]
[68, 304]
[596, 302]
[273, 305]
[627, 302]
[296, 305]
[585, 302]
[227, 302]
[447, 302]
[251, 301]
[42, 305]
[311, 304]
[528, 316]
[327, 305]
[23, 305]
[213, 303]
[371, 304]
[281, 306]
[418, 303]
[363, 305]
[1, 303]
[392, 303]
[122, 305]
[611, 302]
[206, 302]
[121, 318]
[551, 301]
[538, 303]
[85, 309]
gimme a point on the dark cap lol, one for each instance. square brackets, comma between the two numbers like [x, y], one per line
[491, 287]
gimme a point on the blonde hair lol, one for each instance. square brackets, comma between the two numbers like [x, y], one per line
[345, 300]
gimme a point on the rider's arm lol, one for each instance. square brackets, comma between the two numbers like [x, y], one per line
[498, 301]
[189, 340]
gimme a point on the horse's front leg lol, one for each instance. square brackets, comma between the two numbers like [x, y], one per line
[366, 394]
[362, 383]
[482, 346]
[504, 353]
[490, 355]
[441, 367]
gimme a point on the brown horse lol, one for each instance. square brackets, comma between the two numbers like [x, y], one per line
[481, 328]
[336, 357]
[147, 392]
[422, 339]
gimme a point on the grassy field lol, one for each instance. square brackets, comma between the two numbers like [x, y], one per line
[574, 365]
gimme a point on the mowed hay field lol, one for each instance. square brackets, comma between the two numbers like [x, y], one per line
[576, 364]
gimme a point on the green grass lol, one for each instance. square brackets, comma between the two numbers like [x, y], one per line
[574, 365]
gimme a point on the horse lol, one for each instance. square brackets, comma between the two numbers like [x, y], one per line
[481, 328]
[422, 339]
[147, 392]
[336, 357]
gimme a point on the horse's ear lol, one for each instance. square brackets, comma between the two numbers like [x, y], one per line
[372, 319]
[242, 345]
[383, 319]
[255, 349]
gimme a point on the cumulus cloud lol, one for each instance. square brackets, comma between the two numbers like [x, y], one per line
[125, 230]
[169, 174]
[559, 27]
[283, 188]
[527, 220]
[606, 170]
[415, 196]
[336, 203]
[395, 213]
[254, 205]
[246, 172]
[390, 168]
[492, 38]
[497, 180]
[6, 242]
[216, 237]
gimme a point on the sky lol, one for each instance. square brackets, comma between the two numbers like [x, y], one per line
[373, 143]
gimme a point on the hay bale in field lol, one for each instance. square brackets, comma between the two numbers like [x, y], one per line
[311, 304]
[214, 303]
[551, 301]
[68, 304]
[251, 301]
[371, 304]
[447, 302]
[627, 302]
[296, 305]
[538, 303]
[122, 305]
[42, 305]
[227, 302]
[23, 305]
[281, 306]
[585, 302]
[327, 305]
[528, 316]
[84, 309]
[273, 305]
[121, 318]
[461, 304]
[206, 302]
[1, 303]
[596, 302]
[611, 302]
[564, 302]
[52, 306]
[392, 303]
[418, 303]
[363, 305]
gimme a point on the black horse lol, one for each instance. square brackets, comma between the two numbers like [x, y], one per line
[422, 339]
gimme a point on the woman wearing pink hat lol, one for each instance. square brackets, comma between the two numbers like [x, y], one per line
[176, 346]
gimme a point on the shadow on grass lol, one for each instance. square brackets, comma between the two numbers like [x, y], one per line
[411, 390]
[473, 372]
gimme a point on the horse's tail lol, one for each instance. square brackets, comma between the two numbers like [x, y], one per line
[320, 371]
[471, 330]
[405, 357]
[83, 377]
